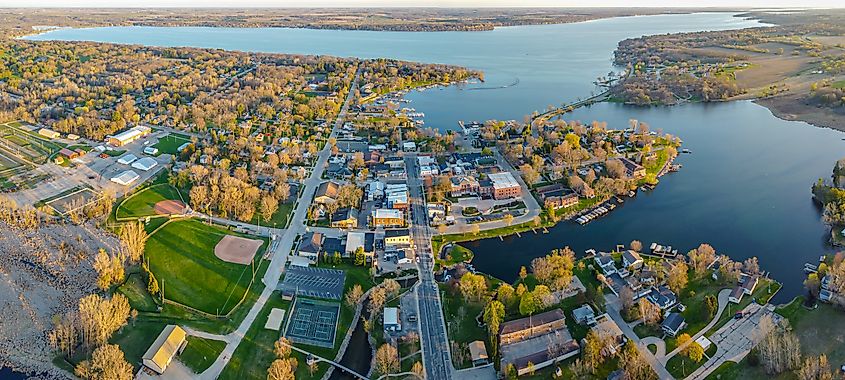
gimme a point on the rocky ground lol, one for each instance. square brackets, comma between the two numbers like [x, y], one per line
[43, 272]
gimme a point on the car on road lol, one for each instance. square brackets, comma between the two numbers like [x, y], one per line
[412, 318]
[738, 315]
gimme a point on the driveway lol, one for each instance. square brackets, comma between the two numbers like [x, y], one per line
[724, 294]
[656, 365]
[736, 338]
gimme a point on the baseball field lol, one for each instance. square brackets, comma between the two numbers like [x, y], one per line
[182, 256]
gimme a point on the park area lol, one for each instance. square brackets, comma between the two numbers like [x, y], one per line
[181, 254]
[158, 199]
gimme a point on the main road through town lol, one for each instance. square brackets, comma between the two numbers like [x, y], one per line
[435, 343]
[283, 247]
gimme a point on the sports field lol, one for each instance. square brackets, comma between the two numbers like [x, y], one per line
[181, 255]
[170, 144]
[143, 203]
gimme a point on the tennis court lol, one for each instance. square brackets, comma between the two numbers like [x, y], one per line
[313, 322]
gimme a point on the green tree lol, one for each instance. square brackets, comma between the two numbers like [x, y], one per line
[494, 313]
[360, 258]
[527, 304]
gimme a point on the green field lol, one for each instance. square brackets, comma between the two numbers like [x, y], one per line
[201, 353]
[181, 255]
[142, 204]
[135, 289]
[170, 144]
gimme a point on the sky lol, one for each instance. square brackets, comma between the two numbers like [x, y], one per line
[424, 3]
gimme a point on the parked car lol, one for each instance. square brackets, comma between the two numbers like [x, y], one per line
[738, 315]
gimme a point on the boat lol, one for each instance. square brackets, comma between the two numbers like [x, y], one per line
[687, 151]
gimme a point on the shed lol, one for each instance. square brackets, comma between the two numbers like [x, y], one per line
[478, 353]
[169, 343]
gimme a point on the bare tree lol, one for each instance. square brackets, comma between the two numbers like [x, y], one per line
[133, 238]
[107, 363]
[387, 359]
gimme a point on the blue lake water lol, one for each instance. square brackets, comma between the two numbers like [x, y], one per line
[745, 189]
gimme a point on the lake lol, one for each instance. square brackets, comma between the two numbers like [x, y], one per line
[745, 189]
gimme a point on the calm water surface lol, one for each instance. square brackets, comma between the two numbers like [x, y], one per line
[745, 189]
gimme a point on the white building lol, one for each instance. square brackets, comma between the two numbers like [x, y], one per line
[126, 178]
[145, 164]
[391, 319]
[353, 241]
[129, 135]
[152, 151]
[127, 159]
[409, 146]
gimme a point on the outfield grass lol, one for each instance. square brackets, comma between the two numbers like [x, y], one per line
[201, 353]
[143, 203]
[170, 144]
[181, 255]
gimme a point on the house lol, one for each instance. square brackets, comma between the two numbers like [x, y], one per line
[409, 146]
[505, 185]
[607, 328]
[326, 193]
[746, 286]
[584, 315]
[346, 217]
[68, 154]
[564, 200]
[352, 146]
[170, 342]
[478, 353]
[397, 237]
[605, 262]
[633, 170]
[673, 324]
[631, 259]
[391, 319]
[310, 246]
[387, 218]
[662, 297]
[375, 190]
[530, 327]
[338, 171]
[540, 340]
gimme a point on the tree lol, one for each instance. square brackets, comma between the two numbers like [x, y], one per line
[678, 277]
[779, 350]
[527, 304]
[505, 294]
[649, 312]
[417, 368]
[473, 286]
[508, 219]
[636, 245]
[494, 313]
[555, 270]
[695, 352]
[391, 287]
[815, 368]
[711, 306]
[100, 317]
[387, 359]
[813, 284]
[635, 366]
[522, 273]
[751, 266]
[360, 257]
[529, 174]
[269, 205]
[592, 350]
[107, 363]
[701, 258]
[109, 269]
[353, 296]
[282, 369]
[475, 228]
[133, 238]
[378, 297]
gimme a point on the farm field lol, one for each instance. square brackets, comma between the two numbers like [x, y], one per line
[181, 255]
[143, 203]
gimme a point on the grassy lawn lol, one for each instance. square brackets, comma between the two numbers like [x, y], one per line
[457, 254]
[280, 217]
[460, 320]
[201, 353]
[135, 338]
[838, 84]
[680, 366]
[181, 255]
[643, 330]
[135, 289]
[170, 144]
[142, 203]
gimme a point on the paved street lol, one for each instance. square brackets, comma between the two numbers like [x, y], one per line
[434, 341]
[724, 294]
